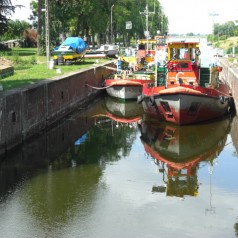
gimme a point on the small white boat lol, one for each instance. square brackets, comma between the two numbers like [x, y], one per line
[126, 86]
[108, 50]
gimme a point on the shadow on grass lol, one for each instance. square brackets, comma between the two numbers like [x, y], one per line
[27, 53]
[21, 67]
[19, 52]
[18, 84]
[82, 63]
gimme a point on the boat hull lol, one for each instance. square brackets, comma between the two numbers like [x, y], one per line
[123, 110]
[108, 50]
[69, 55]
[125, 89]
[95, 56]
[184, 105]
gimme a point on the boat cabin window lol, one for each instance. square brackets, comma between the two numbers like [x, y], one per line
[183, 54]
[106, 47]
[161, 41]
[193, 53]
[182, 65]
[173, 53]
[141, 46]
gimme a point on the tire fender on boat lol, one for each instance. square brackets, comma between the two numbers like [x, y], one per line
[223, 99]
[140, 98]
[152, 100]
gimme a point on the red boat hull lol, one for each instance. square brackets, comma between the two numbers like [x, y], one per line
[185, 104]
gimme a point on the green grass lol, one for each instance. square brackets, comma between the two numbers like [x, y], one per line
[30, 68]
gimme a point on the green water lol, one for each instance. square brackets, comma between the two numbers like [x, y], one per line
[108, 171]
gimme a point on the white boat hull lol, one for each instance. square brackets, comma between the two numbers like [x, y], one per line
[125, 91]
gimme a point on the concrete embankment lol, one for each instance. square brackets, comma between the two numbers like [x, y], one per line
[229, 74]
[27, 111]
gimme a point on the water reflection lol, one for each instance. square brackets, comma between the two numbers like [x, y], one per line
[83, 138]
[178, 150]
[89, 177]
[129, 111]
[119, 113]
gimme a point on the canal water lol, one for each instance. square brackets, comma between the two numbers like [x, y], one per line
[109, 171]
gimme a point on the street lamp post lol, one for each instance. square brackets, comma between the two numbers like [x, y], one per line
[111, 21]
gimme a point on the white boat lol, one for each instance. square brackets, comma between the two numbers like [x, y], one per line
[108, 49]
[126, 86]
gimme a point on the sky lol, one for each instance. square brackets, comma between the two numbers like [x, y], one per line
[22, 13]
[185, 16]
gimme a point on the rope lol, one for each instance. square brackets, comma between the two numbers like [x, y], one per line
[102, 88]
[224, 94]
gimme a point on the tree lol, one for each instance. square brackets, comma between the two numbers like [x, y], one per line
[30, 37]
[15, 29]
[6, 9]
[92, 20]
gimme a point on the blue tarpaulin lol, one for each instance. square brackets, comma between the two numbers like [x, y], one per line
[76, 43]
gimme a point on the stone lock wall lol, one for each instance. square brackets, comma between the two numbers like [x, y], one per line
[229, 74]
[25, 112]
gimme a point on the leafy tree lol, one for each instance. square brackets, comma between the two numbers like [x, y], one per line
[79, 18]
[92, 20]
[15, 29]
[6, 9]
[223, 31]
[30, 37]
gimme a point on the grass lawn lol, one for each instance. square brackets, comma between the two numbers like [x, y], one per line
[30, 68]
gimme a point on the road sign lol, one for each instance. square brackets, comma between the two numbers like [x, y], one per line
[128, 25]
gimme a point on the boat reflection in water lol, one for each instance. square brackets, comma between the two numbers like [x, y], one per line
[178, 150]
[128, 111]
[122, 112]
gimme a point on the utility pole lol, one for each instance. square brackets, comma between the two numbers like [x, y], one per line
[47, 33]
[146, 13]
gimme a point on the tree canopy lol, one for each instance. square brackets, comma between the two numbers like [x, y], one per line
[6, 9]
[94, 20]
[98, 22]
